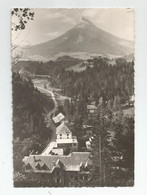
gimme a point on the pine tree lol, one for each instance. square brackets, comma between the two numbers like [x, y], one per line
[125, 150]
[101, 148]
[116, 104]
[67, 108]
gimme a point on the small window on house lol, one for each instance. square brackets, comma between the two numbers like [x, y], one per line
[71, 176]
[58, 172]
[70, 184]
[67, 135]
[58, 180]
[38, 166]
[86, 177]
[74, 144]
[44, 167]
[28, 166]
[60, 136]
[76, 177]
[81, 177]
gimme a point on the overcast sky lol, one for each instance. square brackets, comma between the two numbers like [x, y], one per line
[51, 23]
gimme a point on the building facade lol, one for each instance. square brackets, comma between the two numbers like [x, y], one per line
[59, 171]
[65, 139]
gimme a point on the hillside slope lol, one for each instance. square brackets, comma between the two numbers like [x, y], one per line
[36, 67]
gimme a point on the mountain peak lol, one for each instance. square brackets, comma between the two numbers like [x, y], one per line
[84, 22]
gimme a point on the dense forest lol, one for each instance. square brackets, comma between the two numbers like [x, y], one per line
[44, 68]
[113, 143]
[115, 84]
[29, 109]
[112, 137]
[100, 80]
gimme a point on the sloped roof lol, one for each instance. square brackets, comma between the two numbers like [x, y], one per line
[71, 162]
[58, 118]
[55, 119]
[91, 107]
[67, 141]
[62, 129]
[87, 126]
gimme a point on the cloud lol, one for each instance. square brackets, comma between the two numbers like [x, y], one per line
[55, 15]
[60, 15]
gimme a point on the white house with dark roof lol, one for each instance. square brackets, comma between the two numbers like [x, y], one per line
[59, 118]
[63, 132]
[91, 108]
[64, 138]
[63, 143]
[55, 167]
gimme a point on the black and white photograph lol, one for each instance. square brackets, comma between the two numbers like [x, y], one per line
[73, 97]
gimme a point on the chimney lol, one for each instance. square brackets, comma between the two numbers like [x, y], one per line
[34, 158]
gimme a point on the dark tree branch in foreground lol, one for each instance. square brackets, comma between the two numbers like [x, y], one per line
[21, 15]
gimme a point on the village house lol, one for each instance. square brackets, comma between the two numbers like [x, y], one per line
[87, 130]
[57, 170]
[86, 62]
[58, 119]
[65, 140]
[62, 142]
[132, 100]
[88, 144]
[91, 109]
[89, 61]
[60, 164]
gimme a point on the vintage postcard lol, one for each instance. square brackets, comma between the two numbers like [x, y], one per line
[73, 97]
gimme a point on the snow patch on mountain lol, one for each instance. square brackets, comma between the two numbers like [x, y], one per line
[80, 39]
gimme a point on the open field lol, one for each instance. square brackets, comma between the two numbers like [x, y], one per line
[79, 67]
[42, 83]
[129, 111]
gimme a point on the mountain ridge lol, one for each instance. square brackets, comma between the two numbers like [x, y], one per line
[83, 37]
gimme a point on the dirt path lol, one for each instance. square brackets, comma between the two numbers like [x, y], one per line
[50, 123]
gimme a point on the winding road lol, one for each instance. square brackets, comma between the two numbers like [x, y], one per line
[50, 94]
[50, 123]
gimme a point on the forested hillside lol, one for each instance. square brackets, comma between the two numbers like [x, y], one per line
[36, 67]
[102, 80]
[112, 83]
[29, 109]
[113, 136]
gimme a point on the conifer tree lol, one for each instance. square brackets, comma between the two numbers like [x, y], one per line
[101, 148]
[125, 149]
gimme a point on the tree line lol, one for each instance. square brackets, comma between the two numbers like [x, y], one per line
[29, 126]
[112, 149]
